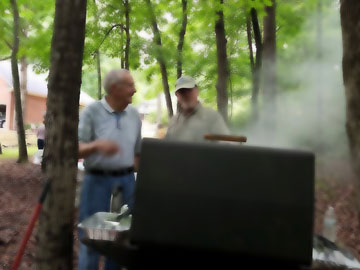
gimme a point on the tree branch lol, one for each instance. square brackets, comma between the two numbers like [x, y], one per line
[107, 34]
[5, 58]
[8, 44]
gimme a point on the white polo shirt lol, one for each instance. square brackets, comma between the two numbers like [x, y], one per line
[100, 121]
[193, 127]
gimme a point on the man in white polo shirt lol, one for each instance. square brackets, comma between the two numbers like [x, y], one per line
[193, 120]
[109, 142]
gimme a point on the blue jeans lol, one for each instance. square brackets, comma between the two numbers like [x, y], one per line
[40, 143]
[95, 197]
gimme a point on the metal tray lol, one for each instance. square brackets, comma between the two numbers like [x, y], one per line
[104, 226]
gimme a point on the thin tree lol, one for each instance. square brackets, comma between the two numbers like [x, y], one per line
[23, 83]
[23, 156]
[222, 61]
[127, 32]
[181, 38]
[160, 58]
[97, 54]
[125, 50]
[250, 44]
[98, 71]
[122, 51]
[23, 74]
[269, 67]
[349, 13]
[257, 62]
[55, 233]
[180, 45]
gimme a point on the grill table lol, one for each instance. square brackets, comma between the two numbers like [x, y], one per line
[170, 258]
[133, 257]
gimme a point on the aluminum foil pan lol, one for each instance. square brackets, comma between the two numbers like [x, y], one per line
[104, 226]
[328, 255]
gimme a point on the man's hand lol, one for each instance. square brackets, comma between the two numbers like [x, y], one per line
[106, 147]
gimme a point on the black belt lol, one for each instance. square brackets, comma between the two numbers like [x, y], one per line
[111, 172]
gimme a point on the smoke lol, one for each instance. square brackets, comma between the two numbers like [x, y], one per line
[309, 111]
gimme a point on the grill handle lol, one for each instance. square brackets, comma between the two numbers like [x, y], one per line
[227, 138]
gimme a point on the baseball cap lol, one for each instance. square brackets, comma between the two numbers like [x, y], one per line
[185, 82]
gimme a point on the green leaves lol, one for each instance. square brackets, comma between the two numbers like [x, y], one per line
[105, 31]
[36, 19]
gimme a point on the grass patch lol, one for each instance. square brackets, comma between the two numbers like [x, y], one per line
[13, 152]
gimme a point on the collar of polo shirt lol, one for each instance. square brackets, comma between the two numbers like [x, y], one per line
[109, 109]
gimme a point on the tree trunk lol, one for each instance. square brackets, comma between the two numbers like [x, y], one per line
[252, 66]
[122, 51]
[269, 68]
[258, 63]
[166, 88]
[23, 156]
[55, 233]
[23, 84]
[97, 54]
[223, 73]
[127, 31]
[181, 38]
[249, 38]
[98, 68]
[160, 59]
[181, 45]
[349, 12]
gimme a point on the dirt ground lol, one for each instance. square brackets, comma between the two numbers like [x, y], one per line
[20, 188]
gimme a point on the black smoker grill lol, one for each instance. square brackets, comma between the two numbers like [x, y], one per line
[207, 206]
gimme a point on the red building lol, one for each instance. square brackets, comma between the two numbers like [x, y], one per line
[35, 105]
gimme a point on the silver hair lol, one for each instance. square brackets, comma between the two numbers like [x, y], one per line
[114, 76]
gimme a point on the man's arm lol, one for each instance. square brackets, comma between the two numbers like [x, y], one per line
[108, 148]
